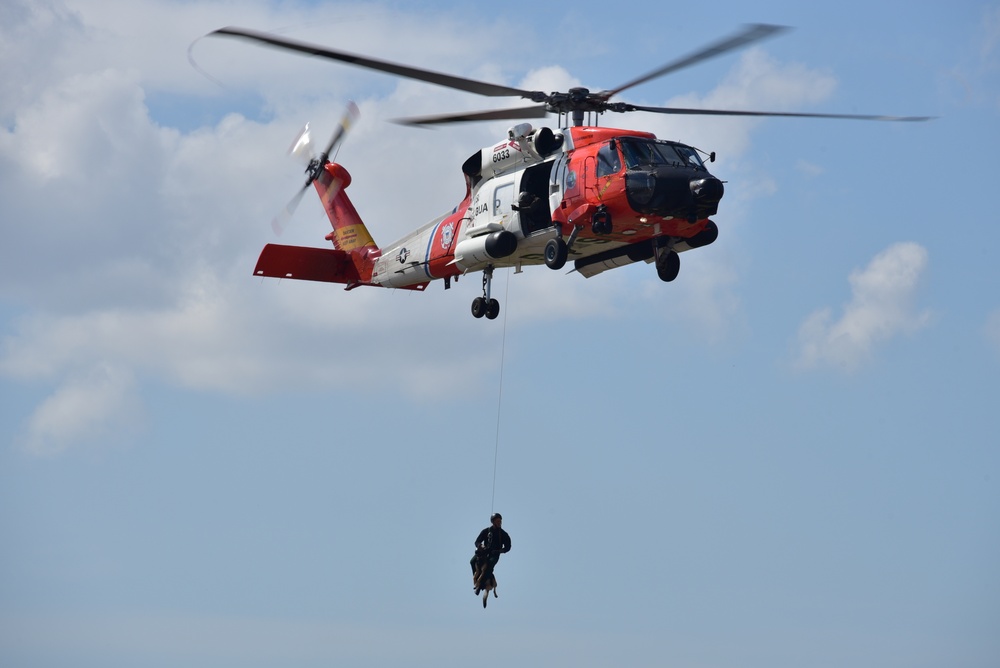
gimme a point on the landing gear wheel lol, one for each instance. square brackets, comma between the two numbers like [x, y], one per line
[492, 309]
[555, 253]
[668, 265]
[485, 305]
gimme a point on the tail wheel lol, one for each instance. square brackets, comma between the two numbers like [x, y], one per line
[479, 305]
[668, 265]
[555, 253]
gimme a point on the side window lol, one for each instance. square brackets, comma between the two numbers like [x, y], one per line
[557, 177]
[503, 197]
[608, 161]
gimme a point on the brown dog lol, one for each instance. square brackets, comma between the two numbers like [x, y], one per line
[483, 581]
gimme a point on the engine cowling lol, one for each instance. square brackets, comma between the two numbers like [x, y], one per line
[484, 249]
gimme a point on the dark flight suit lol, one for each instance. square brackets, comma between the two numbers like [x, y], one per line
[496, 541]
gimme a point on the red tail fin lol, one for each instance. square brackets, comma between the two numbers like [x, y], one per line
[351, 259]
[349, 233]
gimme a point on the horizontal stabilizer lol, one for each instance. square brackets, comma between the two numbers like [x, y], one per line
[307, 264]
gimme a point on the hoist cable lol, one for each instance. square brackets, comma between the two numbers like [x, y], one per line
[503, 350]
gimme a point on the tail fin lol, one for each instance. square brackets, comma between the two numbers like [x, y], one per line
[349, 233]
[351, 259]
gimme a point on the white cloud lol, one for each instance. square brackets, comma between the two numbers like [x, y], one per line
[991, 34]
[758, 82]
[132, 242]
[708, 300]
[810, 169]
[242, 337]
[547, 79]
[97, 405]
[881, 308]
[973, 80]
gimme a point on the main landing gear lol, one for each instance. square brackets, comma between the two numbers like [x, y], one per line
[557, 250]
[485, 305]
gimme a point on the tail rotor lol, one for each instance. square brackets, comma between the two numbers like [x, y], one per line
[302, 151]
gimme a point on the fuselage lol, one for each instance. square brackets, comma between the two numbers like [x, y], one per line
[615, 193]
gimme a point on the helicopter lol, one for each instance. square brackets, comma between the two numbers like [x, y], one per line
[600, 197]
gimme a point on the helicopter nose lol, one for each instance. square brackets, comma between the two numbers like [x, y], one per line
[707, 191]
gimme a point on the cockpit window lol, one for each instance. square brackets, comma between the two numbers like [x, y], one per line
[689, 156]
[608, 161]
[646, 153]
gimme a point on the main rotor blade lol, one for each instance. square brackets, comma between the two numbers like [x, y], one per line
[750, 34]
[447, 80]
[537, 111]
[790, 114]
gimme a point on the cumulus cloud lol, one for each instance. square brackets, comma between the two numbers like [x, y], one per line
[135, 231]
[881, 307]
[757, 82]
[100, 404]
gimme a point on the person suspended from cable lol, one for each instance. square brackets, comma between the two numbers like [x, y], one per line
[490, 544]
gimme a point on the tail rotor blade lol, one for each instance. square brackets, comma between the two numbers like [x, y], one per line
[345, 124]
[301, 149]
[279, 222]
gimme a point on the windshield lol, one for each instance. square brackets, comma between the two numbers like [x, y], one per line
[643, 153]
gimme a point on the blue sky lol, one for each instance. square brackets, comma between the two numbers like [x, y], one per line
[787, 457]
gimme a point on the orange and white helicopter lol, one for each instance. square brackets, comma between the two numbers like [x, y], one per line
[601, 197]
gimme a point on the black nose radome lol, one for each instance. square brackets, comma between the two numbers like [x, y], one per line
[708, 190]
